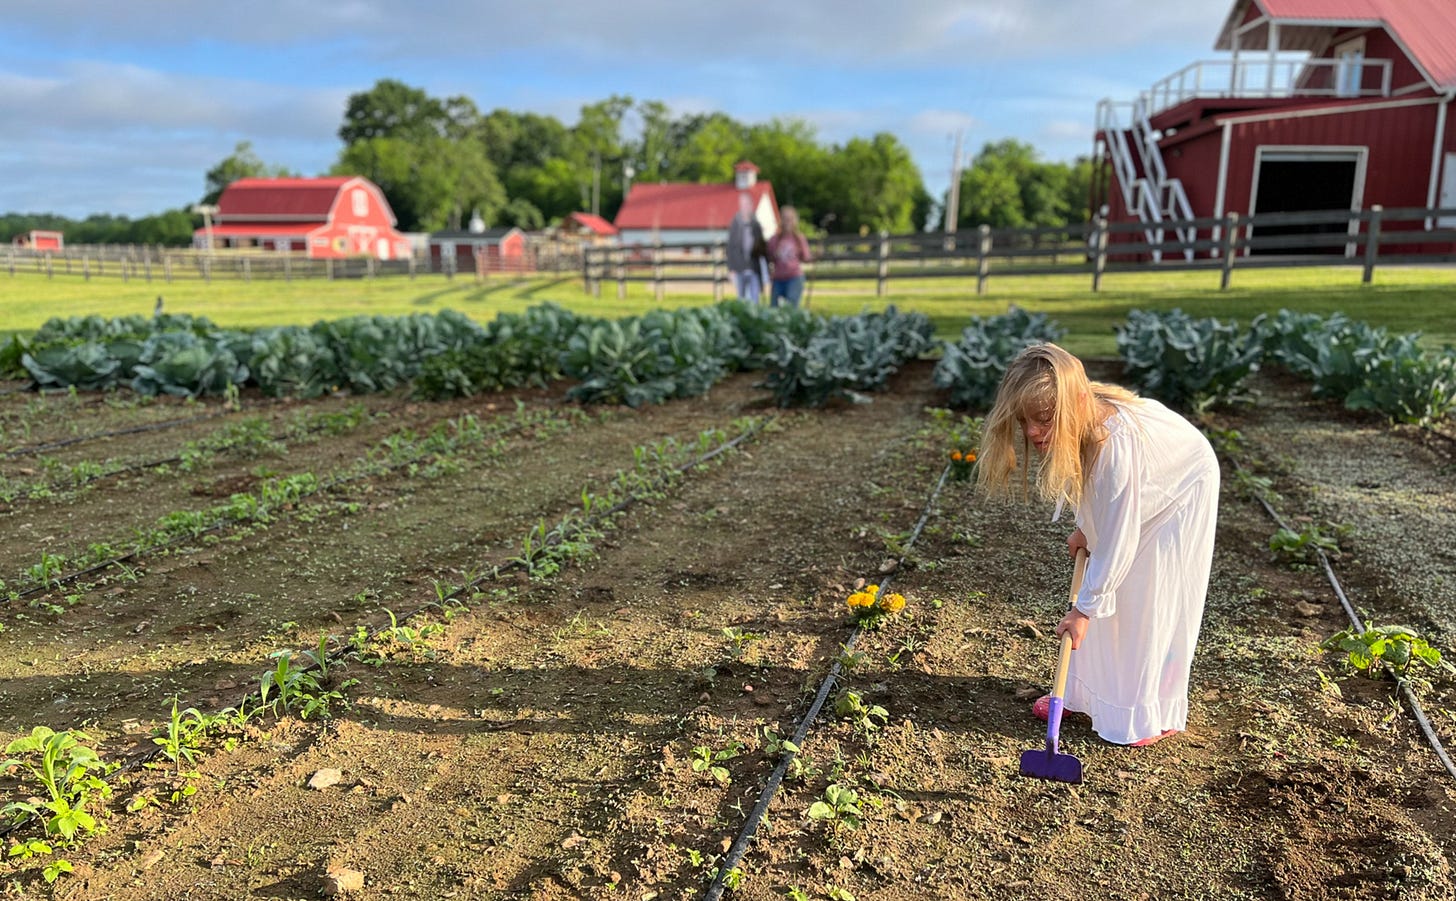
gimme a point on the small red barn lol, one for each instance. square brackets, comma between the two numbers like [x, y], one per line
[328, 218]
[681, 213]
[479, 249]
[1359, 117]
[40, 239]
[588, 227]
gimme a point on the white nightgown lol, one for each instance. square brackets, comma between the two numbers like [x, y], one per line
[1149, 509]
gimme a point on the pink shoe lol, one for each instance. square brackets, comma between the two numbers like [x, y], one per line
[1041, 708]
[1152, 739]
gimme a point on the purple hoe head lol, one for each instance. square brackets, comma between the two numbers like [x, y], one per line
[1047, 763]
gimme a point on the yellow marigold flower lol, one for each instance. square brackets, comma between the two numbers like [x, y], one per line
[872, 590]
[892, 603]
[860, 599]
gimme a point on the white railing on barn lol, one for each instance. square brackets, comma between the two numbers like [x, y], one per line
[1263, 79]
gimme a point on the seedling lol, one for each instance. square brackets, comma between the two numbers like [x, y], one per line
[1303, 546]
[183, 734]
[849, 705]
[840, 806]
[738, 639]
[71, 773]
[1397, 646]
[706, 760]
[775, 745]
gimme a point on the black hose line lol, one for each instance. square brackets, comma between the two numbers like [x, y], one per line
[1405, 687]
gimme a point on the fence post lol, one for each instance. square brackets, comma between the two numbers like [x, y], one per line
[12, 261]
[166, 268]
[147, 261]
[883, 274]
[86, 267]
[1099, 252]
[247, 269]
[1372, 244]
[621, 273]
[49, 272]
[207, 268]
[1230, 239]
[288, 267]
[983, 258]
[329, 268]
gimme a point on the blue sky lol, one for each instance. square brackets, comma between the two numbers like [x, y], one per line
[104, 112]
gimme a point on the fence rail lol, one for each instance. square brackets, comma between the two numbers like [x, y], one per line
[1366, 238]
[151, 262]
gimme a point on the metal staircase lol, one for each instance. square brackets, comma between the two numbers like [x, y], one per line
[1138, 165]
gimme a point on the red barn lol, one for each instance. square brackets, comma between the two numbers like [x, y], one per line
[328, 218]
[1357, 118]
[684, 213]
[40, 239]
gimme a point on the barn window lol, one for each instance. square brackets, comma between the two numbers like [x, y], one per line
[360, 200]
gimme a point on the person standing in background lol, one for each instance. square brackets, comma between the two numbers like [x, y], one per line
[747, 254]
[788, 251]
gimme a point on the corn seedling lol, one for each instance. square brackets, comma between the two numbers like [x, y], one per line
[182, 735]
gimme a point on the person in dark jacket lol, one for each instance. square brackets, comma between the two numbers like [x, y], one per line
[747, 252]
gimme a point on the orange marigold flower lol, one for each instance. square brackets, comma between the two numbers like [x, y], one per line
[860, 599]
[955, 455]
[971, 457]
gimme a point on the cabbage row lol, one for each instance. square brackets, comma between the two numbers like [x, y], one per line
[1199, 363]
[637, 360]
[971, 368]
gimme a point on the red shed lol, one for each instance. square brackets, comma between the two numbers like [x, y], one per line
[40, 239]
[1321, 105]
[686, 213]
[329, 218]
[480, 249]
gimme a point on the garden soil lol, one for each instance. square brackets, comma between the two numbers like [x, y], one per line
[559, 738]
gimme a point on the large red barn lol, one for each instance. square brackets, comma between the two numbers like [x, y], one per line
[329, 218]
[1321, 105]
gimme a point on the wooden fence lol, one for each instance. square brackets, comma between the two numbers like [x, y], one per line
[1365, 238]
[154, 262]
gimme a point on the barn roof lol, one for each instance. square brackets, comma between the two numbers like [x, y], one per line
[1425, 28]
[275, 198]
[593, 223]
[663, 205]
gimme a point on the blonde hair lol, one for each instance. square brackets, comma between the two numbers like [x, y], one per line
[1044, 379]
[789, 218]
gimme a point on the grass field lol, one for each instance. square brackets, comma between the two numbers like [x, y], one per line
[1402, 299]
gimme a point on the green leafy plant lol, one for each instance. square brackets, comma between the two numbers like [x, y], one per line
[971, 367]
[182, 735]
[71, 774]
[775, 745]
[1189, 363]
[706, 760]
[850, 706]
[840, 806]
[1302, 546]
[1378, 646]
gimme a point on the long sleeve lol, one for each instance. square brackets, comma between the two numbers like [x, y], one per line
[1112, 514]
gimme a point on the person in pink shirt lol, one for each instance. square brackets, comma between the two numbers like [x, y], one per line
[788, 251]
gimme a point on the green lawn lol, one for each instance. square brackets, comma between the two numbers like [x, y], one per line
[1402, 299]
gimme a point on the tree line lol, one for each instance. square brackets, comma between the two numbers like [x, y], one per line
[440, 160]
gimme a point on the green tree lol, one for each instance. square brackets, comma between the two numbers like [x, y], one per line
[243, 163]
[789, 154]
[1008, 186]
[706, 149]
[877, 183]
[393, 109]
[431, 184]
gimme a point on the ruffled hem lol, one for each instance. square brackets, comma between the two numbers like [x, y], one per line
[1125, 725]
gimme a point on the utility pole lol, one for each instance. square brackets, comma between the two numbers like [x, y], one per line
[953, 203]
[597, 184]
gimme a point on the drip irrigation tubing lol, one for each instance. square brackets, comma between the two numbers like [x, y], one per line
[97, 436]
[740, 844]
[344, 649]
[1416, 709]
[224, 522]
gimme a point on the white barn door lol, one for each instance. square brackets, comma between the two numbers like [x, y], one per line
[1448, 190]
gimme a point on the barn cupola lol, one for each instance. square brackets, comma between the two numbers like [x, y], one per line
[477, 224]
[745, 175]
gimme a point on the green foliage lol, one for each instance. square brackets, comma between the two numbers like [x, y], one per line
[1188, 363]
[846, 357]
[972, 367]
[71, 773]
[840, 807]
[1008, 186]
[850, 706]
[706, 760]
[1409, 386]
[1378, 646]
[1303, 546]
